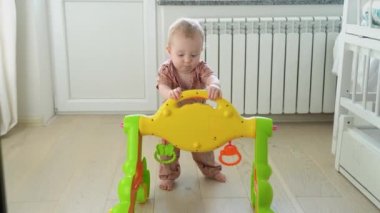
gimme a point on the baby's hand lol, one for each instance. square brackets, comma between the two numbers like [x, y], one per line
[214, 92]
[175, 93]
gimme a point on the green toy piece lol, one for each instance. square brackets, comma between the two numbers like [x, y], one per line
[165, 151]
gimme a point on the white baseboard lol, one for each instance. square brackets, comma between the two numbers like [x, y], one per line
[31, 121]
[299, 118]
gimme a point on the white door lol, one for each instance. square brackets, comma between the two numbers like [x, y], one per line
[104, 55]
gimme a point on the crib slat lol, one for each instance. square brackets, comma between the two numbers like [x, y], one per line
[225, 55]
[291, 65]
[330, 78]
[365, 81]
[354, 71]
[278, 66]
[317, 71]
[252, 64]
[304, 71]
[212, 55]
[212, 45]
[265, 65]
[238, 64]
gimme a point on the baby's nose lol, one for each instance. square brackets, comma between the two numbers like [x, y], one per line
[187, 59]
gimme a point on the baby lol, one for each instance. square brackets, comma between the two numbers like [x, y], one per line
[184, 71]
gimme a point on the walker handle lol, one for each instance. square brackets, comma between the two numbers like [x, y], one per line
[195, 94]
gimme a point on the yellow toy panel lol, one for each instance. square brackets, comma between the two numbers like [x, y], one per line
[197, 127]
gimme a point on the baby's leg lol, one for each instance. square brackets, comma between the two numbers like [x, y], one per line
[169, 172]
[208, 166]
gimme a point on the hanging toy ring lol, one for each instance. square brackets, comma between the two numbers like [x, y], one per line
[230, 150]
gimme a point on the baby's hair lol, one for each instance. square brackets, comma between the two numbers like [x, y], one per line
[186, 26]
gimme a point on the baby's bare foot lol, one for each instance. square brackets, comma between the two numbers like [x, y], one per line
[220, 177]
[167, 185]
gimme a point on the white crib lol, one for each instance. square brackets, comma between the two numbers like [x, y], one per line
[356, 137]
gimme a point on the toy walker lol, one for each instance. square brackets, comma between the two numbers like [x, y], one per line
[194, 127]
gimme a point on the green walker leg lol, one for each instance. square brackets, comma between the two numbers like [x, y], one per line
[135, 184]
[261, 190]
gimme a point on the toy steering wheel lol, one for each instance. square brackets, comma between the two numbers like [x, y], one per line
[197, 127]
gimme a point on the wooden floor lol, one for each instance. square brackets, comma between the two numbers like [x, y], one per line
[74, 165]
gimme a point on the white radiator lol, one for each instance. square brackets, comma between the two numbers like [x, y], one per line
[274, 65]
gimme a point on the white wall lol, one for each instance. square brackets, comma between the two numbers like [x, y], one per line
[35, 93]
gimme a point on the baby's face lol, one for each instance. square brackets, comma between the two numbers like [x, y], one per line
[185, 52]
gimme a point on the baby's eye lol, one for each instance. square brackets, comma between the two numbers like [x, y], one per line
[180, 55]
[194, 55]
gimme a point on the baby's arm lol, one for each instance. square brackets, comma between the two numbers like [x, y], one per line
[166, 92]
[213, 87]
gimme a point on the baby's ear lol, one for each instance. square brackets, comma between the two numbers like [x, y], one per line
[168, 49]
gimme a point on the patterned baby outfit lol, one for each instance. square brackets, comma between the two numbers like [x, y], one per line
[205, 160]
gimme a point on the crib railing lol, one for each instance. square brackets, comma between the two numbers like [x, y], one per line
[361, 80]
